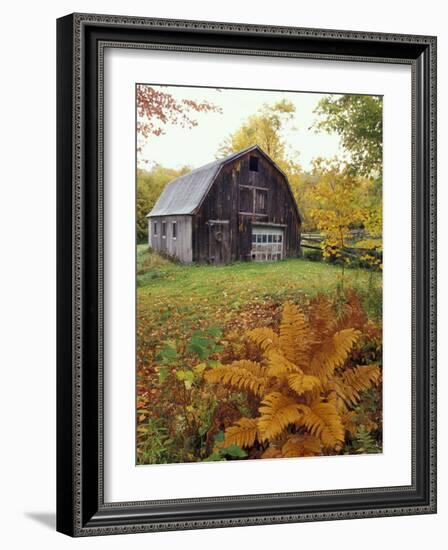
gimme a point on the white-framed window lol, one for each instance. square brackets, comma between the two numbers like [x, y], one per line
[154, 228]
[174, 230]
[163, 230]
[267, 243]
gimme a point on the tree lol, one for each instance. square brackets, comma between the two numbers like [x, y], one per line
[358, 121]
[156, 108]
[150, 185]
[344, 202]
[303, 185]
[262, 129]
[337, 211]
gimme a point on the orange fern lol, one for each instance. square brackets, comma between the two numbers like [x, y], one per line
[305, 384]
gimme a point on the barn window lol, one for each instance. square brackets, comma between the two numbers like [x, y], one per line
[253, 200]
[155, 228]
[174, 230]
[164, 230]
[253, 164]
[267, 244]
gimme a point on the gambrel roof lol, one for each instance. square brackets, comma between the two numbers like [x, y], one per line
[184, 195]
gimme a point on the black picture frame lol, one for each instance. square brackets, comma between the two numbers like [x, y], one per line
[81, 510]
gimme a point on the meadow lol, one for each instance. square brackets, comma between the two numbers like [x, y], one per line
[203, 291]
[192, 319]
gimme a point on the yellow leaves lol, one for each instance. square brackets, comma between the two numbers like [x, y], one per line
[341, 344]
[301, 445]
[294, 335]
[370, 244]
[277, 411]
[243, 375]
[323, 421]
[373, 220]
[243, 433]
[332, 353]
[333, 391]
[305, 384]
[302, 383]
[321, 316]
[356, 380]
[349, 422]
[341, 202]
[279, 366]
[265, 338]
[272, 452]
[352, 314]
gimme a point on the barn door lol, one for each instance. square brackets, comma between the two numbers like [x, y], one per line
[219, 242]
[267, 243]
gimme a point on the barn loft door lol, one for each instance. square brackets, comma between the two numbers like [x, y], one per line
[219, 242]
[267, 243]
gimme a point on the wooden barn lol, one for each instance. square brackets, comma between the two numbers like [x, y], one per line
[240, 207]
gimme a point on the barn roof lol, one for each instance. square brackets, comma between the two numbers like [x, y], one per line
[184, 195]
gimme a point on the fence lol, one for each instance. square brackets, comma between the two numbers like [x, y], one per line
[313, 241]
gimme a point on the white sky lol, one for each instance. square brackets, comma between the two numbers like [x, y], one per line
[197, 146]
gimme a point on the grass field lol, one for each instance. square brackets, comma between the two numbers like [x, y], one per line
[182, 298]
[188, 314]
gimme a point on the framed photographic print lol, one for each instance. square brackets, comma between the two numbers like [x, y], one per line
[246, 274]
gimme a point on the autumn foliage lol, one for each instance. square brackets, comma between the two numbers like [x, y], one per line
[156, 108]
[278, 381]
[233, 364]
[305, 384]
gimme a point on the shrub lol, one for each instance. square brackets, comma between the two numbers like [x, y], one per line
[305, 386]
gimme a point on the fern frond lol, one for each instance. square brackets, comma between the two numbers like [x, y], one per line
[265, 338]
[353, 314]
[243, 375]
[301, 445]
[333, 390]
[294, 337]
[321, 315]
[272, 452]
[364, 442]
[278, 365]
[302, 383]
[323, 421]
[332, 353]
[243, 433]
[305, 382]
[348, 420]
[277, 411]
[357, 379]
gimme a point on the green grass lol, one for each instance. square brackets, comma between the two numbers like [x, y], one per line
[191, 296]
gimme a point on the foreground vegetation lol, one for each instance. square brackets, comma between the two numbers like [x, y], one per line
[196, 324]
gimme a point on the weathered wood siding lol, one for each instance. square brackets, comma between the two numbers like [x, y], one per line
[176, 242]
[240, 196]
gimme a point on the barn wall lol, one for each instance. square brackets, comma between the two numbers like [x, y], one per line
[181, 245]
[231, 198]
[218, 205]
